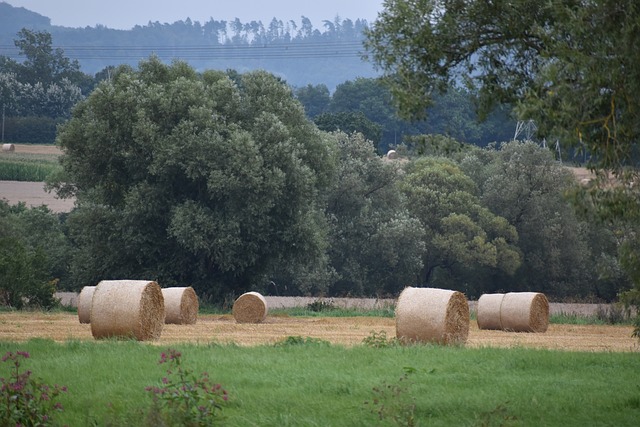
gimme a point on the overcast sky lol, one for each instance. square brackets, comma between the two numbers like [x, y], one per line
[125, 14]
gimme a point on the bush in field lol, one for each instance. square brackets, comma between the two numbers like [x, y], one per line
[184, 398]
[24, 400]
[34, 254]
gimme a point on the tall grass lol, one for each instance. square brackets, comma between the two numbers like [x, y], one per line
[27, 167]
[309, 383]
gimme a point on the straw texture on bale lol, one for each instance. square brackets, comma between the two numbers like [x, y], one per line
[8, 147]
[250, 307]
[432, 315]
[489, 308]
[525, 312]
[180, 305]
[127, 309]
[84, 304]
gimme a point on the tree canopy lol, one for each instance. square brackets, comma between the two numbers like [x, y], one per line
[569, 65]
[190, 178]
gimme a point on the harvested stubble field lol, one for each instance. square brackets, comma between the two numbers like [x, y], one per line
[346, 331]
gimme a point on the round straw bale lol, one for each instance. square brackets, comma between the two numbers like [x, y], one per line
[180, 305]
[525, 312]
[432, 315]
[8, 147]
[84, 304]
[489, 311]
[127, 309]
[392, 154]
[250, 307]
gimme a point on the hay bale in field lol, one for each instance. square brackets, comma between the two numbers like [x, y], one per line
[180, 305]
[8, 147]
[127, 309]
[525, 312]
[392, 155]
[488, 312]
[84, 304]
[250, 307]
[432, 315]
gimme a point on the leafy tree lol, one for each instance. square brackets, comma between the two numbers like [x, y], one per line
[192, 179]
[569, 65]
[459, 231]
[43, 64]
[522, 183]
[376, 247]
[34, 255]
[350, 122]
[316, 99]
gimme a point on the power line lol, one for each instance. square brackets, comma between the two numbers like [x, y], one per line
[207, 52]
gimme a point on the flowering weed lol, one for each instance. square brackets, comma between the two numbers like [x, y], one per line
[184, 399]
[24, 400]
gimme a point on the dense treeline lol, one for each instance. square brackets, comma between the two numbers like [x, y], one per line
[39, 93]
[219, 181]
[294, 50]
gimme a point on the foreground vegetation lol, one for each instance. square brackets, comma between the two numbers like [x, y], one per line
[305, 382]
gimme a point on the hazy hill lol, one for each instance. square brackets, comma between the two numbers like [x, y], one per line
[296, 51]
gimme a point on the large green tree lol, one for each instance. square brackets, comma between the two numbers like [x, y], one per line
[570, 65]
[459, 232]
[193, 179]
[376, 247]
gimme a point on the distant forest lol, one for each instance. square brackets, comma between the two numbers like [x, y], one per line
[295, 51]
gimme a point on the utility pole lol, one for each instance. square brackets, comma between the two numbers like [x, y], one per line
[3, 122]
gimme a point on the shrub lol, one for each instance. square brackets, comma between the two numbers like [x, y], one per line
[24, 400]
[183, 398]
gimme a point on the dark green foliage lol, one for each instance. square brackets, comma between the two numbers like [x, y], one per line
[31, 129]
[192, 179]
[34, 255]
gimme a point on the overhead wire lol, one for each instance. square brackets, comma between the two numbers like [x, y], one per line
[310, 50]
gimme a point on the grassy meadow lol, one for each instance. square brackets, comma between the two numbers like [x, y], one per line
[306, 382]
[21, 166]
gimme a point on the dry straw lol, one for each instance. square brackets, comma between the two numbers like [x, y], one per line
[84, 304]
[250, 307]
[8, 147]
[127, 309]
[489, 311]
[514, 311]
[525, 312]
[432, 315]
[180, 305]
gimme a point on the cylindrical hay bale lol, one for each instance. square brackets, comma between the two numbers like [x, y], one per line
[180, 305]
[432, 315]
[127, 309]
[392, 154]
[84, 304]
[489, 308]
[250, 307]
[8, 147]
[525, 312]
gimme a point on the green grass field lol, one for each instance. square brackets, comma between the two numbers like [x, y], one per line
[27, 166]
[311, 383]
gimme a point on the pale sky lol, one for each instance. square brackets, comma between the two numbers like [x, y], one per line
[125, 14]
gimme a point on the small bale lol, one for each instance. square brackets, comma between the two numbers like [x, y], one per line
[84, 304]
[525, 312]
[8, 147]
[250, 307]
[489, 309]
[127, 309]
[392, 155]
[180, 306]
[432, 315]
